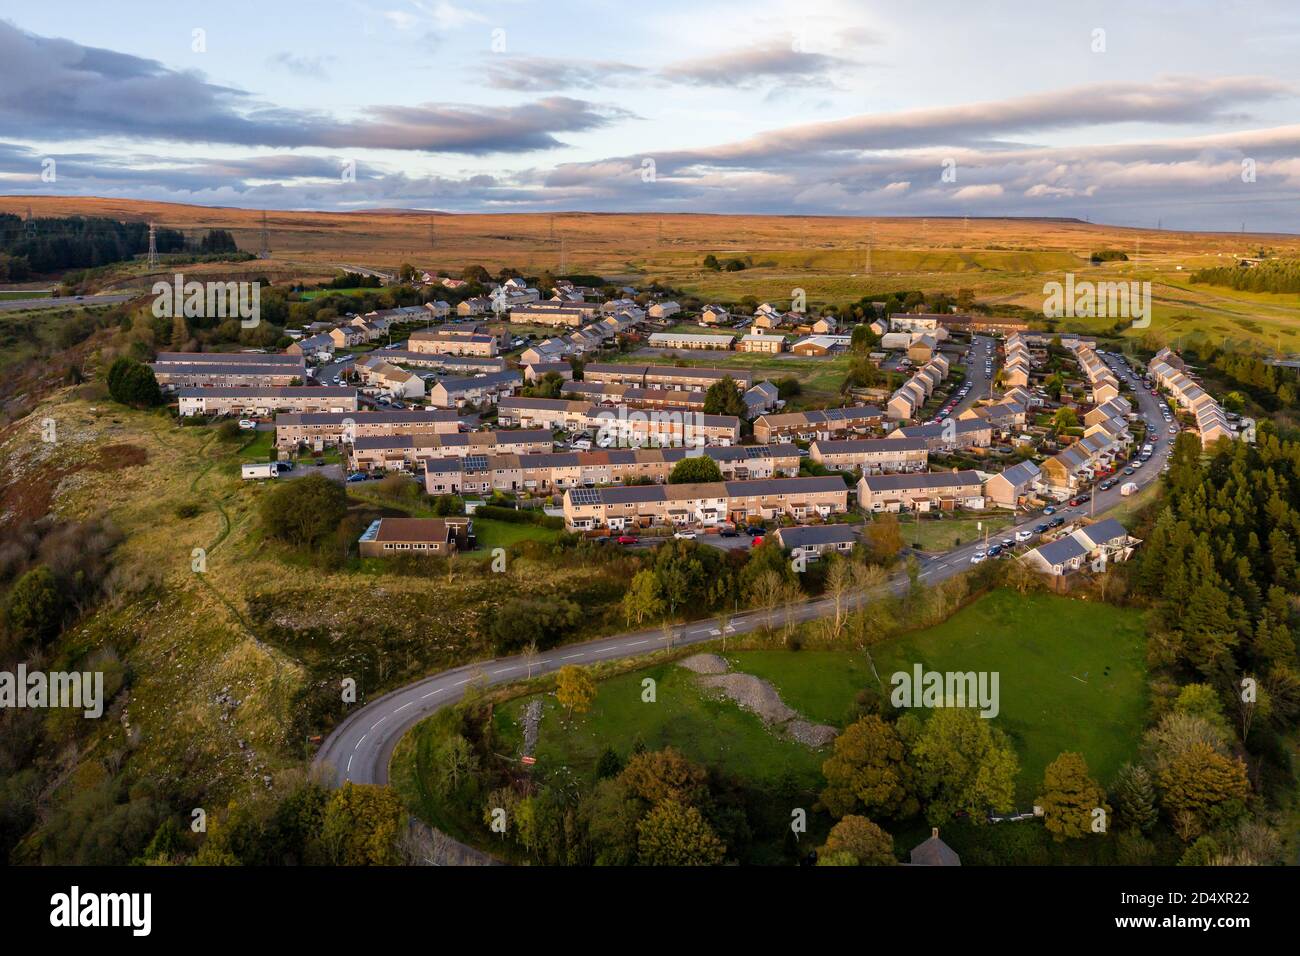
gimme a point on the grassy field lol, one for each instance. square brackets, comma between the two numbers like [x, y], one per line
[19, 294]
[1071, 678]
[940, 534]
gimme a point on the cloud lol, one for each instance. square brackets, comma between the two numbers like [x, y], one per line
[62, 89]
[313, 66]
[773, 60]
[536, 74]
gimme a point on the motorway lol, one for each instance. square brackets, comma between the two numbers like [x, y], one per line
[57, 302]
[359, 748]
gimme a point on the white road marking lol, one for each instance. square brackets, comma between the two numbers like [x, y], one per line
[635, 643]
[570, 657]
[404, 706]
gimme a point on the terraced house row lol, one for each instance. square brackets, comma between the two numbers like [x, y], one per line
[1168, 370]
[620, 423]
[1101, 380]
[228, 369]
[664, 376]
[555, 471]
[872, 456]
[908, 400]
[408, 451]
[334, 428]
[822, 424]
[266, 400]
[705, 504]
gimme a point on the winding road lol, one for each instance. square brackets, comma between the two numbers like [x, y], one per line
[360, 747]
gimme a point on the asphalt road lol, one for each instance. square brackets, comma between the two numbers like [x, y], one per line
[360, 748]
[981, 385]
[57, 302]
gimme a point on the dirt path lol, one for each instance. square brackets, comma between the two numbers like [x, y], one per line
[759, 697]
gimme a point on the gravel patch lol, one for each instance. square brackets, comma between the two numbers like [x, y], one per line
[532, 717]
[705, 664]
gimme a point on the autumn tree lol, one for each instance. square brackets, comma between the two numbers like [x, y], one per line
[674, 834]
[574, 689]
[1070, 798]
[660, 775]
[965, 764]
[885, 539]
[1201, 789]
[868, 770]
[694, 469]
[363, 825]
[861, 839]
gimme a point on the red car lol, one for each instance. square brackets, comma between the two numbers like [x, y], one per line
[626, 539]
[755, 541]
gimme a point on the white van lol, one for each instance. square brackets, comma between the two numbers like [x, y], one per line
[261, 469]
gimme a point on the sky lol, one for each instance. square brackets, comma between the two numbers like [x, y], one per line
[1179, 114]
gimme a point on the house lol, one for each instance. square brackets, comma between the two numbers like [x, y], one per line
[1013, 485]
[810, 542]
[922, 349]
[1058, 557]
[1095, 546]
[605, 393]
[664, 310]
[819, 424]
[478, 390]
[389, 379]
[951, 434]
[346, 336]
[319, 347]
[944, 490]
[757, 342]
[824, 325]
[1061, 473]
[409, 450]
[536, 371]
[688, 340]
[909, 322]
[475, 306]
[714, 315]
[438, 308]
[821, 344]
[622, 426]
[760, 399]
[872, 456]
[1211, 421]
[391, 537]
[566, 313]
[469, 364]
[265, 400]
[934, 852]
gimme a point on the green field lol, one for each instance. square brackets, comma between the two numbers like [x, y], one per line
[20, 294]
[1071, 677]
[940, 534]
[716, 733]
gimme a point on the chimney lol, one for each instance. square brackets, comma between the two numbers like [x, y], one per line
[934, 833]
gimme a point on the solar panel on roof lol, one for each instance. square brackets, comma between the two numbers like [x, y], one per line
[584, 496]
[476, 462]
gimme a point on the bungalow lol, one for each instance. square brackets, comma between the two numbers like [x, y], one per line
[810, 542]
[390, 537]
[946, 490]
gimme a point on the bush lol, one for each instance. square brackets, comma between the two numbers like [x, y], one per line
[35, 606]
[133, 383]
[305, 511]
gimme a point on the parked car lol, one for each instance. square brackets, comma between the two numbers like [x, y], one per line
[357, 476]
[284, 465]
[994, 550]
[1128, 471]
[1040, 528]
[729, 533]
[1024, 535]
[977, 557]
[1049, 510]
[1056, 522]
[247, 423]
[627, 539]
[686, 534]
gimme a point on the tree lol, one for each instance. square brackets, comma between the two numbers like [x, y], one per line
[1065, 418]
[868, 770]
[521, 621]
[574, 689]
[656, 776]
[673, 834]
[304, 512]
[1070, 797]
[864, 338]
[860, 838]
[133, 383]
[1204, 787]
[840, 578]
[35, 607]
[642, 599]
[695, 469]
[965, 764]
[885, 539]
[1134, 793]
[363, 824]
[724, 398]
